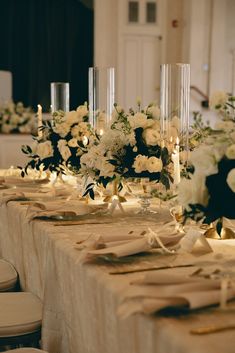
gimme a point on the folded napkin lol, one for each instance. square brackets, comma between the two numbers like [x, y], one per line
[178, 287]
[11, 196]
[62, 208]
[125, 245]
[18, 180]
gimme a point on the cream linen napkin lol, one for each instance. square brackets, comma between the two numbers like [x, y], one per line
[11, 196]
[172, 288]
[124, 245]
[62, 208]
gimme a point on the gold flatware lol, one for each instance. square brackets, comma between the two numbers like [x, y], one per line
[152, 268]
[211, 329]
[71, 223]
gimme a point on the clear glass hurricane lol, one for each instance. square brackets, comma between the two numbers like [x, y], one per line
[142, 189]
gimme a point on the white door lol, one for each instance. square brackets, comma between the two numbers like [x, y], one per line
[140, 51]
[222, 73]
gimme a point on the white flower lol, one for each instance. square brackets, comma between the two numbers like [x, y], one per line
[116, 111]
[64, 149]
[151, 137]
[80, 130]
[6, 128]
[61, 129]
[140, 163]
[231, 179]
[204, 160]
[226, 125]
[232, 135]
[44, 150]
[193, 191]
[114, 140]
[218, 98]
[72, 118]
[15, 119]
[230, 152]
[138, 120]
[106, 169]
[73, 143]
[154, 111]
[82, 110]
[154, 165]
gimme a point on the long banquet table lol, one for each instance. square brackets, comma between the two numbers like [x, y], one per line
[80, 300]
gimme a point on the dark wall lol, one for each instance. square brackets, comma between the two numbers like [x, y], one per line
[43, 41]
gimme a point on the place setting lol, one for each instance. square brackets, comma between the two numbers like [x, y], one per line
[117, 177]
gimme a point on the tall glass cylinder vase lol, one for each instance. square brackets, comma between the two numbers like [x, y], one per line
[174, 101]
[59, 96]
[101, 97]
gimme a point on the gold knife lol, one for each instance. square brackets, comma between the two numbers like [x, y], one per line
[211, 329]
[152, 268]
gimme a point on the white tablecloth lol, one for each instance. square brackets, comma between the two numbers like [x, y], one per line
[80, 300]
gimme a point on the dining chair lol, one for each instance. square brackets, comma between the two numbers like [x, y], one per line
[20, 319]
[8, 276]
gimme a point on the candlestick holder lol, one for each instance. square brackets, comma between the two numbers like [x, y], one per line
[59, 96]
[101, 97]
[174, 102]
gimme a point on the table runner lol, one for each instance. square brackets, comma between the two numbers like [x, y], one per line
[80, 300]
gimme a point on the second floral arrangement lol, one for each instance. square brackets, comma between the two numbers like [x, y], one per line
[129, 148]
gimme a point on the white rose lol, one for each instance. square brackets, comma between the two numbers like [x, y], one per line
[6, 128]
[232, 135]
[106, 169]
[150, 123]
[61, 129]
[5, 117]
[64, 149]
[193, 191]
[138, 120]
[72, 118]
[140, 163]
[151, 137]
[230, 152]
[15, 119]
[73, 143]
[154, 165]
[225, 125]
[231, 179]
[82, 111]
[204, 160]
[44, 150]
[154, 111]
[218, 98]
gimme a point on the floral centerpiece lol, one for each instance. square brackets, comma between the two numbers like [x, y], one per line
[208, 192]
[15, 118]
[129, 148]
[64, 139]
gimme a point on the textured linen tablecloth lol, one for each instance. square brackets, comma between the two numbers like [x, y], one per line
[80, 300]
